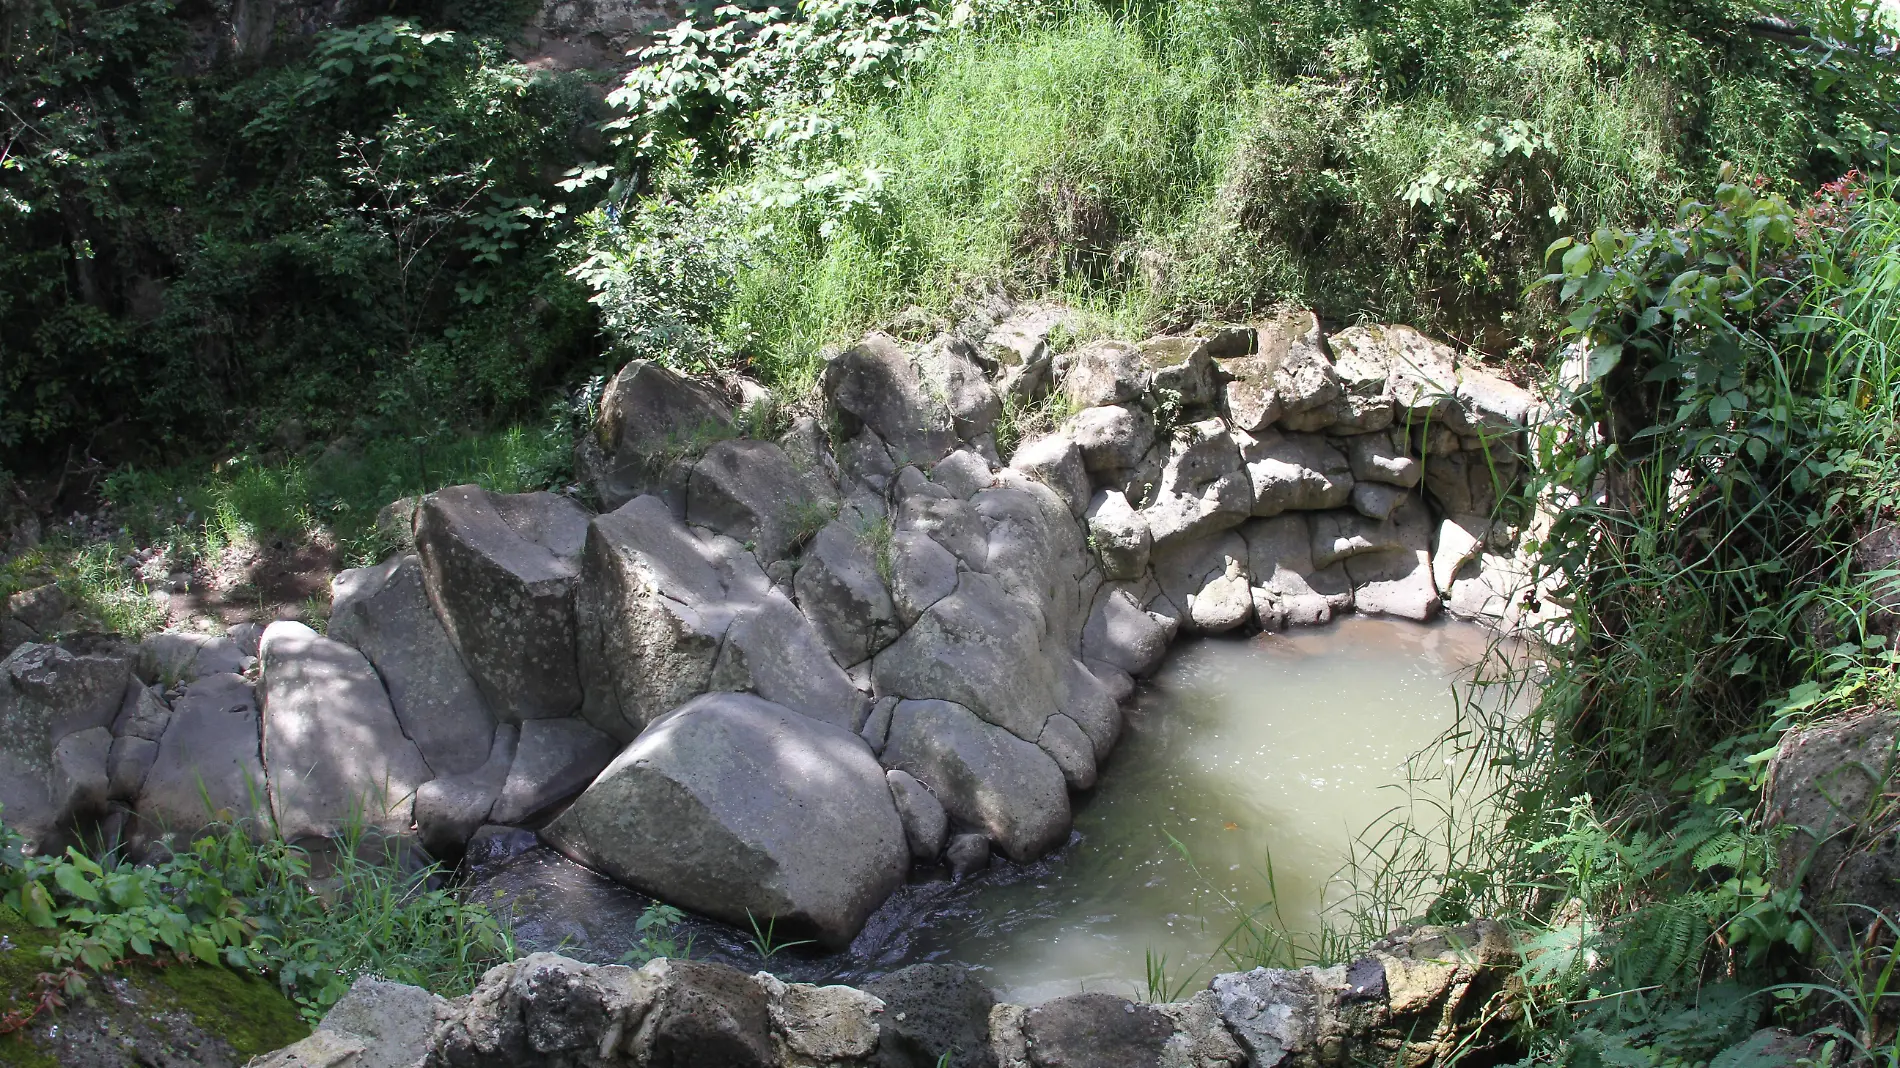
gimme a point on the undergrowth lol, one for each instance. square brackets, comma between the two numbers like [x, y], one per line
[254, 905]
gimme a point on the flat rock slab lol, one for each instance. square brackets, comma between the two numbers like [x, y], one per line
[208, 767]
[741, 809]
[332, 745]
[500, 570]
[384, 612]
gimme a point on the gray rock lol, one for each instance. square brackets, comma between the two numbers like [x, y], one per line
[449, 810]
[922, 573]
[1113, 437]
[1039, 555]
[1288, 588]
[653, 424]
[1339, 535]
[1375, 458]
[1202, 489]
[950, 522]
[1122, 634]
[981, 648]
[1105, 372]
[1421, 374]
[500, 572]
[704, 1015]
[247, 636]
[127, 764]
[1055, 461]
[180, 656]
[985, 776]
[1459, 540]
[1200, 1039]
[1301, 472]
[142, 714]
[820, 1026]
[1397, 581]
[1276, 1013]
[967, 855]
[865, 460]
[319, 1049]
[1252, 391]
[874, 384]
[931, 1010]
[1353, 414]
[332, 745]
[925, 823]
[398, 1021]
[1470, 483]
[1303, 376]
[751, 491]
[1489, 402]
[963, 473]
[877, 724]
[717, 807]
[1180, 371]
[49, 693]
[1096, 1031]
[1824, 781]
[209, 767]
[14, 634]
[1071, 749]
[840, 591]
[1376, 500]
[41, 607]
[948, 369]
[1118, 535]
[80, 783]
[1208, 579]
[554, 760]
[665, 615]
[384, 612]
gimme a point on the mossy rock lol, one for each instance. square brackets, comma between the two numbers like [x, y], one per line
[179, 1015]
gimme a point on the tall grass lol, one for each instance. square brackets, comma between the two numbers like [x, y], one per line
[1164, 161]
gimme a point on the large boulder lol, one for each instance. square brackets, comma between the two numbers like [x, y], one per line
[334, 750]
[1056, 462]
[208, 767]
[500, 569]
[1208, 581]
[1376, 458]
[1397, 580]
[384, 612]
[949, 372]
[981, 648]
[985, 776]
[841, 591]
[1203, 487]
[49, 694]
[653, 424]
[1105, 372]
[874, 384]
[1118, 535]
[922, 572]
[934, 511]
[752, 491]
[1420, 374]
[744, 810]
[665, 615]
[1113, 437]
[1096, 1030]
[931, 1010]
[1288, 588]
[1181, 371]
[1125, 636]
[1039, 554]
[1826, 786]
[925, 822]
[1296, 472]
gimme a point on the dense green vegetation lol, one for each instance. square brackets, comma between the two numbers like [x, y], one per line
[268, 298]
[252, 904]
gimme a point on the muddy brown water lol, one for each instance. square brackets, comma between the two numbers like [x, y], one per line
[1248, 768]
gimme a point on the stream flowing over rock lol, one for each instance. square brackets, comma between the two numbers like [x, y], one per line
[776, 676]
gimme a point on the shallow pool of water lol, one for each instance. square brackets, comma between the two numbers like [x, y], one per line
[1247, 769]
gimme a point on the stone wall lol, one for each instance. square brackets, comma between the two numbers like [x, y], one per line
[1411, 1000]
[779, 673]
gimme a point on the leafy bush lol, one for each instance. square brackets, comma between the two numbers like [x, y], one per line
[231, 900]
